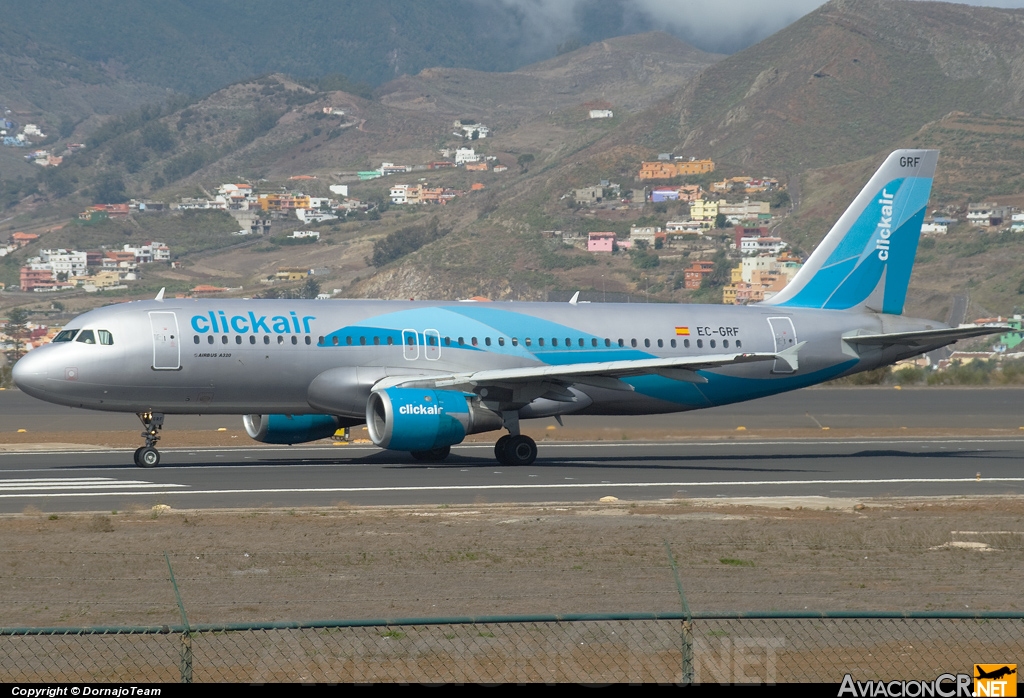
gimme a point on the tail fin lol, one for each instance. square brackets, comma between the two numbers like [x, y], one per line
[866, 259]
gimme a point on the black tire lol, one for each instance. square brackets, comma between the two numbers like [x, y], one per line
[434, 455]
[138, 451]
[499, 449]
[148, 457]
[520, 450]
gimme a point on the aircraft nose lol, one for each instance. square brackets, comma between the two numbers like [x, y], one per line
[30, 373]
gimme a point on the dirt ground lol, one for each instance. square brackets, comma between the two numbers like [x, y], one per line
[349, 562]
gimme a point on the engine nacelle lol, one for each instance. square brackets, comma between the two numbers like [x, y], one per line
[290, 429]
[419, 419]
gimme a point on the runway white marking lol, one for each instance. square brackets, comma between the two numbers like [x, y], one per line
[74, 486]
[458, 488]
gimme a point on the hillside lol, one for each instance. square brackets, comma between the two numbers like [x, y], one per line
[845, 81]
[818, 106]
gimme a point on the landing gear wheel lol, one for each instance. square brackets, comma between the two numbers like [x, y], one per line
[499, 448]
[519, 450]
[147, 457]
[434, 455]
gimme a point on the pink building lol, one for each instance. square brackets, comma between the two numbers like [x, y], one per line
[601, 242]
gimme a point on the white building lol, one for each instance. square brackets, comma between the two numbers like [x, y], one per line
[62, 261]
[399, 194]
[150, 252]
[301, 234]
[313, 215]
[601, 113]
[761, 245]
[464, 155]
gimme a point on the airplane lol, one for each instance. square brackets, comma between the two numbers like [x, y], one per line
[424, 375]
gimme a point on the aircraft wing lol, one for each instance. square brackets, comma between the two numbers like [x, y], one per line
[604, 374]
[923, 338]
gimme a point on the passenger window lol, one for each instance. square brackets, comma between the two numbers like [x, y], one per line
[209, 339]
[540, 341]
[195, 339]
[87, 337]
[488, 341]
[632, 342]
[309, 340]
[554, 341]
[348, 341]
[568, 342]
[376, 341]
[362, 341]
[607, 342]
[320, 341]
[223, 339]
[712, 344]
[447, 341]
[686, 343]
[581, 342]
[739, 344]
[515, 342]
[593, 342]
[673, 343]
[391, 341]
[700, 343]
[661, 343]
[527, 341]
[252, 339]
[238, 339]
[501, 341]
[622, 342]
[280, 339]
[68, 335]
[295, 340]
[725, 343]
[462, 342]
[647, 343]
[333, 339]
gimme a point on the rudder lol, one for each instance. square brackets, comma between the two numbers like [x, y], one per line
[866, 259]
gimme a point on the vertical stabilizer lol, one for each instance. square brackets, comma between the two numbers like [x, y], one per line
[866, 259]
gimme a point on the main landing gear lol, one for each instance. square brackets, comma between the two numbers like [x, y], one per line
[147, 456]
[517, 449]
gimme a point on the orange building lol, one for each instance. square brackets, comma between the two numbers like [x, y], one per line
[666, 169]
[694, 274]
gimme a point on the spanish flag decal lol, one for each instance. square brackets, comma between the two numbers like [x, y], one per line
[685, 331]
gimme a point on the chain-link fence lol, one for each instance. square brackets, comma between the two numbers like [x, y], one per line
[650, 648]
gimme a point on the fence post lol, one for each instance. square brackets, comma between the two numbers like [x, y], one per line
[185, 665]
[687, 630]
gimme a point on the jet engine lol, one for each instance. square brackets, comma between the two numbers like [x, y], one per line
[291, 429]
[418, 419]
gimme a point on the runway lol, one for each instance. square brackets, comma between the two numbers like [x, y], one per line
[105, 480]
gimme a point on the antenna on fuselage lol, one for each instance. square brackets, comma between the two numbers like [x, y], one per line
[160, 295]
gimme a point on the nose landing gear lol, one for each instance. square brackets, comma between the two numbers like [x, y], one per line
[147, 456]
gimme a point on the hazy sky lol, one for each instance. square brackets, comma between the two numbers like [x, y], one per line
[713, 25]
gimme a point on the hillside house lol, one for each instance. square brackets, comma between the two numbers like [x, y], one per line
[601, 242]
[661, 169]
[693, 275]
[601, 114]
[588, 195]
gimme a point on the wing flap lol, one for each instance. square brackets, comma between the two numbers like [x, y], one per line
[602, 374]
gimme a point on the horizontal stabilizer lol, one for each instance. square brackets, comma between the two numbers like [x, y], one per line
[923, 338]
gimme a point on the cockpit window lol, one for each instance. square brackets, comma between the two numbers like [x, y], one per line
[65, 335]
[105, 337]
[87, 337]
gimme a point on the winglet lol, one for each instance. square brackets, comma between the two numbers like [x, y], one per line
[790, 356]
[160, 295]
[575, 298]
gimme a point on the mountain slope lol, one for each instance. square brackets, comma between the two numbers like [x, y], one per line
[848, 80]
